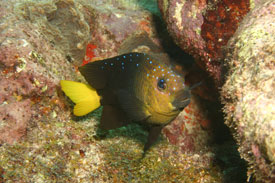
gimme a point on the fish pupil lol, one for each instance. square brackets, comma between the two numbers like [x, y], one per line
[161, 84]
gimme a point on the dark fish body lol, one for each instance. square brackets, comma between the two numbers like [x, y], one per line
[135, 87]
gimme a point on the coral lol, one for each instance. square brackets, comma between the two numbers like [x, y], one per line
[248, 93]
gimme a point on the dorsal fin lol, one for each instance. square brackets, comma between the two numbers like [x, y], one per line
[94, 74]
[99, 73]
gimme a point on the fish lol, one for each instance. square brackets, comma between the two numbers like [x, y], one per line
[136, 87]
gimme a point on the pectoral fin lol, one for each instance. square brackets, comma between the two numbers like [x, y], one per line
[133, 107]
[112, 117]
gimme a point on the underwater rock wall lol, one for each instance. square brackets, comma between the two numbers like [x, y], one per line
[202, 28]
[38, 42]
[249, 91]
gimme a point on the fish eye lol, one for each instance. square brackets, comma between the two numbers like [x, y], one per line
[161, 84]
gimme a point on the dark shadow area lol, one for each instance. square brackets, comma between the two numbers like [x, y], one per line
[227, 157]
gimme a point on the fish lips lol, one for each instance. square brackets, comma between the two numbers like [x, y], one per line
[182, 99]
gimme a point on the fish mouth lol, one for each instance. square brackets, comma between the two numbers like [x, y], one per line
[182, 99]
[168, 114]
[181, 104]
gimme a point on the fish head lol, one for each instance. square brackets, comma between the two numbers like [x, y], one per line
[164, 91]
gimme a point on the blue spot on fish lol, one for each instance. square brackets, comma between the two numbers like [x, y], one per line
[154, 69]
[122, 67]
[112, 64]
[150, 62]
[130, 55]
[137, 65]
[122, 63]
[124, 56]
[148, 75]
[159, 66]
[162, 70]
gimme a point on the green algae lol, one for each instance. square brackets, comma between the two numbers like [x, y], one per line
[162, 163]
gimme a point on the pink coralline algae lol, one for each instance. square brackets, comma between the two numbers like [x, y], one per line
[190, 130]
[202, 28]
[14, 118]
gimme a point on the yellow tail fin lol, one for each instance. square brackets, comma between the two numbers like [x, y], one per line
[84, 96]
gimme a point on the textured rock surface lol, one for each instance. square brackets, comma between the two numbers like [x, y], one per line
[32, 63]
[111, 25]
[187, 130]
[249, 91]
[202, 28]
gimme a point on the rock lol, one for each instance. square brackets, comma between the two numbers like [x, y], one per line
[188, 131]
[112, 24]
[38, 41]
[249, 91]
[202, 28]
[14, 121]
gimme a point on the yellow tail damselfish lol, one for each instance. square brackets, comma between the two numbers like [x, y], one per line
[134, 87]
